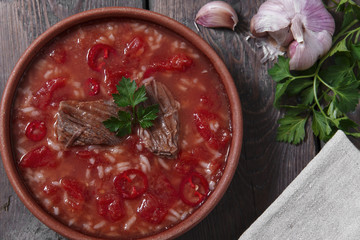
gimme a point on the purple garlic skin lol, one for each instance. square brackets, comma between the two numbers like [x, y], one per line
[217, 14]
[305, 27]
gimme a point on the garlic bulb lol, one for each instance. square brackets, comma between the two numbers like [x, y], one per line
[217, 14]
[304, 26]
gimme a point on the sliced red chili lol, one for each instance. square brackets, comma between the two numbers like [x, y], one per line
[194, 188]
[179, 62]
[38, 157]
[110, 206]
[35, 130]
[43, 96]
[93, 86]
[151, 210]
[95, 61]
[131, 183]
[216, 136]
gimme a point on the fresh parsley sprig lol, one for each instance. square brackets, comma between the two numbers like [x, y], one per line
[326, 92]
[130, 97]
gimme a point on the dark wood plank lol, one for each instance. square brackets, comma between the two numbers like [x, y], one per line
[21, 21]
[266, 167]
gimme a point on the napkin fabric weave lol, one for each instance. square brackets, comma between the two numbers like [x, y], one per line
[323, 202]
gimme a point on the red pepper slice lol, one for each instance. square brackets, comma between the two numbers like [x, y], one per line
[179, 62]
[110, 206]
[35, 130]
[93, 86]
[43, 96]
[38, 157]
[131, 183]
[193, 189]
[93, 58]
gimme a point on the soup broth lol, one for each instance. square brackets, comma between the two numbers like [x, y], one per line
[125, 190]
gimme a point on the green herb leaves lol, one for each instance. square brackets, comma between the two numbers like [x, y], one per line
[326, 92]
[129, 97]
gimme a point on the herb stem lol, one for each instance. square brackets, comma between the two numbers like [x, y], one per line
[316, 98]
[341, 33]
[356, 39]
[305, 76]
[327, 85]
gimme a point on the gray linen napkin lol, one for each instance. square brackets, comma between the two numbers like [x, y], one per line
[323, 202]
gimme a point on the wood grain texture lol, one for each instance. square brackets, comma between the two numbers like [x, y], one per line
[21, 21]
[266, 167]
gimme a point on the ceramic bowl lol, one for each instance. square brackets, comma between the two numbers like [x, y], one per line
[100, 14]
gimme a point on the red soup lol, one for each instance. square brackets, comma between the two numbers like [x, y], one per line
[120, 187]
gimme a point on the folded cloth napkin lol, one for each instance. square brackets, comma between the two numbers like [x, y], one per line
[323, 202]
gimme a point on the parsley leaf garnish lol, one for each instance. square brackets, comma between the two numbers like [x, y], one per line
[325, 93]
[130, 97]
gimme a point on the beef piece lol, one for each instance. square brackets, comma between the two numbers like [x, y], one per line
[162, 138]
[80, 123]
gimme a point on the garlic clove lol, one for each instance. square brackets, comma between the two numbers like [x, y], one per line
[317, 17]
[283, 37]
[271, 17]
[304, 55]
[217, 14]
[307, 22]
[297, 28]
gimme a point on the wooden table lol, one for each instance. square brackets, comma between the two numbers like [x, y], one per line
[266, 167]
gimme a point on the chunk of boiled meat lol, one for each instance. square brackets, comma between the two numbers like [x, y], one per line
[80, 123]
[162, 137]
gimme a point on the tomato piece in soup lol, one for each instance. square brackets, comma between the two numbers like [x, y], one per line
[35, 130]
[135, 47]
[151, 209]
[76, 193]
[38, 157]
[110, 206]
[42, 98]
[52, 192]
[112, 78]
[194, 188]
[186, 163]
[131, 183]
[207, 124]
[179, 62]
[161, 187]
[97, 55]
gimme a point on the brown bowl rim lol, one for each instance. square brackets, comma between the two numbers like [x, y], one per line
[132, 13]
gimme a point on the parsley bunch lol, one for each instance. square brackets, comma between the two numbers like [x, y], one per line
[129, 96]
[325, 92]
